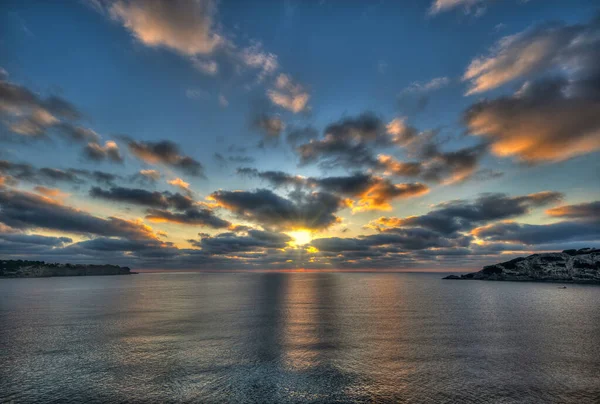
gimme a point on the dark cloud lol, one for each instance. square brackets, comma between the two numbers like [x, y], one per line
[269, 126]
[241, 159]
[26, 113]
[585, 211]
[167, 153]
[145, 177]
[220, 159]
[26, 172]
[20, 238]
[543, 122]
[548, 119]
[231, 243]
[455, 216]
[76, 133]
[191, 216]
[372, 192]
[275, 178]
[51, 176]
[310, 211]
[532, 234]
[20, 244]
[346, 143]
[143, 197]
[546, 47]
[110, 151]
[297, 136]
[391, 241]
[23, 210]
[100, 177]
[435, 165]
[354, 143]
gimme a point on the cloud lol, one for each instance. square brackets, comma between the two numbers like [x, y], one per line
[546, 121]
[145, 177]
[396, 240]
[110, 151]
[460, 215]
[220, 159]
[588, 211]
[99, 177]
[51, 192]
[255, 57]
[431, 85]
[209, 67]
[231, 243]
[353, 143]
[440, 6]
[436, 165]
[20, 244]
[24, 210]
[572, 48]
[167, 153]
[77, 133]
[532, 234]
[192, 216]
[270, 126]
[314, 211]
[183, 26]
[370, 192]
[28, 114]
[181, 184]
[296, 136]
[347, 142]
[288, 95]
[223, 101]
[275, 178]
[197, 94]
[142, 197]
[46, 175]
[158, 204]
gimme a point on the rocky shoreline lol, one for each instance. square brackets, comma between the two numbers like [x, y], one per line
[41, 269]
[568, 266]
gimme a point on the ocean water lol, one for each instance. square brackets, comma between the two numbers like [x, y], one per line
[297, 337]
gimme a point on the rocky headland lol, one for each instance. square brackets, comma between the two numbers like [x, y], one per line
[41, 269]
[569, 266]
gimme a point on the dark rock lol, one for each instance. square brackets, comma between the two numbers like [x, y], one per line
[38, 269]
[572, 266]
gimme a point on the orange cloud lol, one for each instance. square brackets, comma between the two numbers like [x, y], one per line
[178, 182]
[379, 195]
[186, 27]
[51, 192]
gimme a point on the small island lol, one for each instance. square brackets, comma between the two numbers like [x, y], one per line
[41, 269]
[569, 266]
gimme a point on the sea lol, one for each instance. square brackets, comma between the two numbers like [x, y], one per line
[297, 338]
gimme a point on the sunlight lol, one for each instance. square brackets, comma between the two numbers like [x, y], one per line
[300, 237]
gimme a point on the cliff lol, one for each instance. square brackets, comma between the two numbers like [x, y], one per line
[38, 269]
[569, 266]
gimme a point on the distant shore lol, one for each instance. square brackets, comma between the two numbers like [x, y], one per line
[41, 269]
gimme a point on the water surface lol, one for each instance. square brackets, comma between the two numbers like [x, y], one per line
[301, 337]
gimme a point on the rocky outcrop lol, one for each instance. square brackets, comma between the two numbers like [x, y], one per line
[570, 266]
[40, 269]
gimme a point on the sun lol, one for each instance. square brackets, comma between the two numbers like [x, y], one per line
[300, 237]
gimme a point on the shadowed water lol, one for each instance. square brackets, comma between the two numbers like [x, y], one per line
[302, 337]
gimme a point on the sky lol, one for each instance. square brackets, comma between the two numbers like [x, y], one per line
[298, 135]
